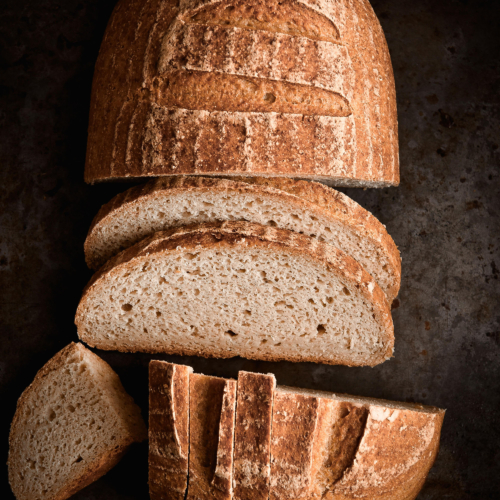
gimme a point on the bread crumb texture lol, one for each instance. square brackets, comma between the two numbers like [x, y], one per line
[71, 425]
[304, 207]
[234, 289]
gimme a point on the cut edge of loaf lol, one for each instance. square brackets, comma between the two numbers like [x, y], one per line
[241, 234]
[318, 200]
[114, 397]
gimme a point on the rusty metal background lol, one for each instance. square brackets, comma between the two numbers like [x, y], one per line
[444, 217]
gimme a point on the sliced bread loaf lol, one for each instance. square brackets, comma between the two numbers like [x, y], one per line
[212, 403]
[71, 426]
[168, 430]
[252, 440]
[304, 207]
[322, 446]
[238, 288]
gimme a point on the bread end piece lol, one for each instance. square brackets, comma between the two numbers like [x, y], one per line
[72, 425]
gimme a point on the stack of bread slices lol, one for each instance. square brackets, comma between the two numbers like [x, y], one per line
[243, 114]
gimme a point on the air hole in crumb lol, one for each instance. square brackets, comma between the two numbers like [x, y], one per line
[79, 459]
[264, 341]
[247, 312]
[278, 344]
[321, 329]
[158, 314]
[78, 441]
[127, 307]
[145, 330]
[346, 291]
[329, 300]
[231, 334]
[52, 415]
[271, 223]
[71, 408]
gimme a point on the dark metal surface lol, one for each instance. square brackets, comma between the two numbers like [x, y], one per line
[444, 217]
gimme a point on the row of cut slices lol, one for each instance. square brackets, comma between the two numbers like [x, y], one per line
[273, 269]
[215, 438]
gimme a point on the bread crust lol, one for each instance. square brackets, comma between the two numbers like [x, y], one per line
[252, 443]
[95, 469]
[244, 234]
[211, 426]
[303, 196]
[168, 430]
[133, 133]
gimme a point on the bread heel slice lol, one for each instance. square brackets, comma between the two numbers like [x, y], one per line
[71, 426]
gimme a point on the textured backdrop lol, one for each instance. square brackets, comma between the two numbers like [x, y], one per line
[444, 217]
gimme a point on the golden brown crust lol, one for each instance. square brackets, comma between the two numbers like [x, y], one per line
[133, 134]
[306, 196]
[244, 234]
[209, 409]
[295, 417]
[94, 470]
[396, 452]
[252, 443]
[168, 430]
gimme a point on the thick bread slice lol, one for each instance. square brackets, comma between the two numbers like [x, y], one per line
[252, 442]
[291, 88]
[211, 427]
[238, 289]
[295, 417]
[373, 449]
[304, 207]
[168, 430]
[71, 426]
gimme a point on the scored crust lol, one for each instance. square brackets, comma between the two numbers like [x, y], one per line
[212, 403]
[252, 442]
[242, 234]
[305, 197]
[336, 47]
[168, 430]
[130, 414]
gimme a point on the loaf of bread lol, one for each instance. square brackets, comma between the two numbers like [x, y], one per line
[304, 207]
[291, 88]
[319, 445]
[71, 426]
[238, 289]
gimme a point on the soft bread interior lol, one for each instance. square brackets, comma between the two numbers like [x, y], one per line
[68, 424]
[149, 214]
[253, 302]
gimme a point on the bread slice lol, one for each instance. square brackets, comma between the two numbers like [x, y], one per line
[168, 430]
[292, 445]
[238, 288]
[304, 207]
[211, 426]
[252, 442]
[289, 88]
[71, 426]
[362, 447]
